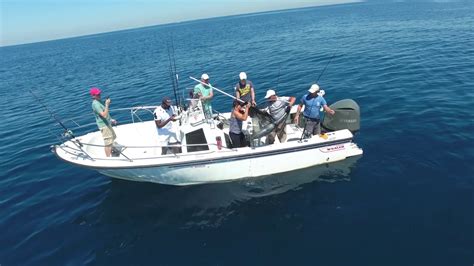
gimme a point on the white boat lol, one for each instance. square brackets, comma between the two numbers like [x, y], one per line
[203, 159]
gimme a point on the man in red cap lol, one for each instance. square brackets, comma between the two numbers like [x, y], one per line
[103, 120]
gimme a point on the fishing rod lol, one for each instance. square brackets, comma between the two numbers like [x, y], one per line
[67, 132]
[172, 74]
[324, 70]
[235, 98]
[212, 87]
[278, 81]
[176, 79]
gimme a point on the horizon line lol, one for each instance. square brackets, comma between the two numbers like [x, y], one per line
[184, 21]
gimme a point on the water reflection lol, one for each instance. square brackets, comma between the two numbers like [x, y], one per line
[206, 205]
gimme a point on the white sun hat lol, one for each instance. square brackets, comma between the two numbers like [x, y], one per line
[242, 75]
[314, 88]
[204, 76]
[270, 93]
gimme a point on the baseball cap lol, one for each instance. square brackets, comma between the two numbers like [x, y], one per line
[166, 99]
[95, 91]
[314, 88]
[242, 75]
[205, 76]
[270, 93]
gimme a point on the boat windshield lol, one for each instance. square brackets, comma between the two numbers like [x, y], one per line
[196, 137]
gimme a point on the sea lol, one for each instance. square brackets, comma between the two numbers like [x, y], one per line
[408, 200]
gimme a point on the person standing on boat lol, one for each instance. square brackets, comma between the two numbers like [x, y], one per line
[103, 119]
[312, 102]
[205, 94]
[240, 112]
[167, 133]
[278, 107]
[244, 89]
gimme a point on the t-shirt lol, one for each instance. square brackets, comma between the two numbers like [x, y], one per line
[277, 109]
[245, 91]
[235, 125]
[312, 105]
[97, 108]
[168, 132]
[205, 92]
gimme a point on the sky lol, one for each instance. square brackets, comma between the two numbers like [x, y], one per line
[28, 21]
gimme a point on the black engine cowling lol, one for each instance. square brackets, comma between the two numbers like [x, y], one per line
[347, 116]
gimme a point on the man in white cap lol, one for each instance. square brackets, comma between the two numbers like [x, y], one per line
[205, 94]
[244, 89]
[278, 108]
[312, 101]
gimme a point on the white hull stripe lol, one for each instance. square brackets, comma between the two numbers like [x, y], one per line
[222, 159]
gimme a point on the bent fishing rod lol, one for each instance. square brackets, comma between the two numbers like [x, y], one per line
[52, 114]
[231, 96]
[212, 87]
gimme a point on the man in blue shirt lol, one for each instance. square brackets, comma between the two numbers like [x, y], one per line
[312, 103]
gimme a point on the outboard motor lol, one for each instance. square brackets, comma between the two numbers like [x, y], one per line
[347, 116]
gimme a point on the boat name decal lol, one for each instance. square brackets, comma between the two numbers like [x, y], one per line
[333, 148]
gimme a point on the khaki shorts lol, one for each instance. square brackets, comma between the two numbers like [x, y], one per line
[108, 134]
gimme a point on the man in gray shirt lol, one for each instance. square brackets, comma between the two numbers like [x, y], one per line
[278, 107]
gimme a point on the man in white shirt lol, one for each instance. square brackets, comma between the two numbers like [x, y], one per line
[278, 107]
[167, 131]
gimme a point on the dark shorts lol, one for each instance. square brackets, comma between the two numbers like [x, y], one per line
[312, 127]
[238, 140]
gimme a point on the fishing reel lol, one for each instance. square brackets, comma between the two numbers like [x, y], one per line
[68, 134]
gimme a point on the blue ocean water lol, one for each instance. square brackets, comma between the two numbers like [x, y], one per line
[407, 201]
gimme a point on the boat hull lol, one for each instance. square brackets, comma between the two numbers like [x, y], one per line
[141, 158]
[232, 168]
